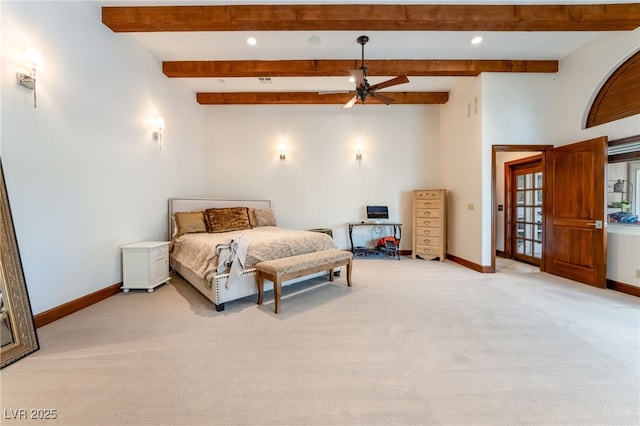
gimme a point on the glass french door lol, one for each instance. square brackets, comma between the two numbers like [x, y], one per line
[527, 215]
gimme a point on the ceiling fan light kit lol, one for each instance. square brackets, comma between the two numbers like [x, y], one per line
[363, 88]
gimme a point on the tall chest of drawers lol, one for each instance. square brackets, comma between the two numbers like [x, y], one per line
[430, 224]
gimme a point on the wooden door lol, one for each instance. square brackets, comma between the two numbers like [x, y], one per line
[575, 240]
[526, 211]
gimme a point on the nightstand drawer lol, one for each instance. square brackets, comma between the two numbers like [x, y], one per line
[159, 253]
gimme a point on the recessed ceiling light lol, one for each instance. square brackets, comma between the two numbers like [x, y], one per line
[476, 40]
[252, 41]
[315, 40]
[352, 79]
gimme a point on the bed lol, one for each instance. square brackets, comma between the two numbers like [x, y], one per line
[193, 252]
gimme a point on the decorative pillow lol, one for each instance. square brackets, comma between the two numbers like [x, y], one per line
[265, 217]
[189, 222]
[227, 219]
[252, 217]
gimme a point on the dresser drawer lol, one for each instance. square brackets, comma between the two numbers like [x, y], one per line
[422, 231]
[427, 250]
[421, 195]
[428, 204]
[427, 213]
[428, 222]
[427, 241]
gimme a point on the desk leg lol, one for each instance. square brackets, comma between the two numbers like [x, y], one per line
[353, 250]
[399, 237]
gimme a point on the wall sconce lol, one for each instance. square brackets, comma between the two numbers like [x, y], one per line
[359, 153]
[158, 127]
[283, 154]
[32, 60]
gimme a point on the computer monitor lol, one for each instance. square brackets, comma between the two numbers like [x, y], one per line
[377, 212]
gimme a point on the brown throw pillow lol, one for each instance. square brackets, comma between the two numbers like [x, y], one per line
[265, 217]
[252, 217]
[227, 219]
[189, 222]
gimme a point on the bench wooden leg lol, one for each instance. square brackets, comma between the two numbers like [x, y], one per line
[260, 283]
[277, 293]
[349, 272]
[331, 274]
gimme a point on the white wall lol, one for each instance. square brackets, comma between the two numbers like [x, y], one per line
[82, 171]
[515, 112]
[493, 109]
[461, 168]
[581, 76]
[320, 184]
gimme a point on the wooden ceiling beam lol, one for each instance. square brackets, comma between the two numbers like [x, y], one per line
[298, 98]
[340, 68]
[370, 17]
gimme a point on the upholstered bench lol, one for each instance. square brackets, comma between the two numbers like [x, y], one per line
[288, 268]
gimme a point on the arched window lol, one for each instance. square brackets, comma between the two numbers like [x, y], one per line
[619, 96]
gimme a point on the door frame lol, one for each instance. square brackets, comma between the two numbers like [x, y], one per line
[508, 204]
[543, 150]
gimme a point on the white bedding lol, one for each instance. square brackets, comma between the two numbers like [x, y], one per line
[198, 251]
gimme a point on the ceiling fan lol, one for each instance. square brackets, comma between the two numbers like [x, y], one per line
[363, 88]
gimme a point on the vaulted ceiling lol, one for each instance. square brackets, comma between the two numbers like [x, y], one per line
[304, 49]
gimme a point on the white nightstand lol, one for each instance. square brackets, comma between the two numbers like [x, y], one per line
[145, 265]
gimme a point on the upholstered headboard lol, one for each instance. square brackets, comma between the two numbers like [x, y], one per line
[198, 204]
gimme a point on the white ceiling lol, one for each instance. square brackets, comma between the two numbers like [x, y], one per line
[173, 46]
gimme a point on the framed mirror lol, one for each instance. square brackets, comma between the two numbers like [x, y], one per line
[17, 329]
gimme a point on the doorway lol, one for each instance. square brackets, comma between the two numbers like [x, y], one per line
[504, 228]
[574, 237]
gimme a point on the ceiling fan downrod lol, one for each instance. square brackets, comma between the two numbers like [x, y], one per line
[363, 39]
[363, 90]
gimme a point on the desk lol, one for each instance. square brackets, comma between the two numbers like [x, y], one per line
[397, 233]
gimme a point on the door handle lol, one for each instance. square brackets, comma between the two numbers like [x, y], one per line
[597, 224]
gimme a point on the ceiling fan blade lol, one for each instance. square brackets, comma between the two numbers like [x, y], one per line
[381, 98]
[358, 75]
[350, 103]
[398, 80]
[335, 92]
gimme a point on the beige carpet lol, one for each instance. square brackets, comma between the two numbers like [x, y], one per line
[413, 342]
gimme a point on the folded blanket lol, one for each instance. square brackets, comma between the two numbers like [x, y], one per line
[231, 258]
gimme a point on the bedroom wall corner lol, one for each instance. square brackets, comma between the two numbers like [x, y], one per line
[461, 171]
[83, 172]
